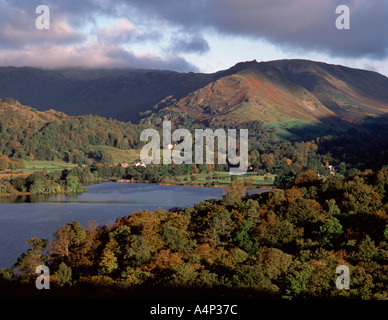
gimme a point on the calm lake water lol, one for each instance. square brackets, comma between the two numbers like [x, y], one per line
[103, 203]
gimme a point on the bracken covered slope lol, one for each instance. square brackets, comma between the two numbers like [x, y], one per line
[287, 93]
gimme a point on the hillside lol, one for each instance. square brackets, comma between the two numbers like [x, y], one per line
[286, 94]
[121, 94]
[52, 135]
[350, 93]
[15, 115]
[250, 91]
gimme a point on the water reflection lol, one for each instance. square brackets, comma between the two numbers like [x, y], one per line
[23, 217]
[34, 198]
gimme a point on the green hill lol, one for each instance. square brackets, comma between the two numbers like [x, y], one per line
[51, 135]
[283, 94]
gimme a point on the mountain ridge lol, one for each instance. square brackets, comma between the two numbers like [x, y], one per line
[286, 93]
[341, 89]
[250, 90]
[121, 97]
[276, 92]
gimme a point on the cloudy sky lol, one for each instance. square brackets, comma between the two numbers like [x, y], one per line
[192, 35]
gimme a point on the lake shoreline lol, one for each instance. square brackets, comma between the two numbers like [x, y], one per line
[103, 203]
[199, 185]
[22, 194]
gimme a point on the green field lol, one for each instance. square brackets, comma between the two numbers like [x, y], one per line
[211, 179]
[119, 155]
[224, 178]
[38, 166]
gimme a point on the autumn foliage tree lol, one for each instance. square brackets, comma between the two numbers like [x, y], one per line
[282, 244]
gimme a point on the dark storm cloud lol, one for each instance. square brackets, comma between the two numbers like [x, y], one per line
[189, 44]
[120, 58]
[296, 24]
[302, 24]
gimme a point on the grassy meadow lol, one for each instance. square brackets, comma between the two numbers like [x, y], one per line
[224, 178]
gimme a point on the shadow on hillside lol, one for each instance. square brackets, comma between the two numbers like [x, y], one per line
[369, 126]
[363, 144]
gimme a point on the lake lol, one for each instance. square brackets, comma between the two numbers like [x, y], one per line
[103, 203]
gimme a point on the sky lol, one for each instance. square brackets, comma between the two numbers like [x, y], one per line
[191, 35]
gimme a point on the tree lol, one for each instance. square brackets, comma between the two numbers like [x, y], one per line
[64, 275]
[4, 162]
[34, 177]
[366, 250]
[73, 184]
[37, 187]
[284, 178]
[108, 261]
[138, 251]
[245, 240]
[173, 237]
[69, 236]
[360, 197]
[300, 213]
[19, 184]
[165, 259]
[106, 158]
[119, 172]
[332, 208]
[252, 276]
[273, 262]
[279, 234]
[83, 174]
[17, 164]
[330, 231]
[306, 179]
[296, 281]
[234, 192]
[381, 182]
[27, 263]
[342, 168]
[220, 229]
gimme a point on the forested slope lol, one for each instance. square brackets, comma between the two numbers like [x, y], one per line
[283, 244]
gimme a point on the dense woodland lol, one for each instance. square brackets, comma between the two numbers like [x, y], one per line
[283, 244]
[52, 136]
[26, 134]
